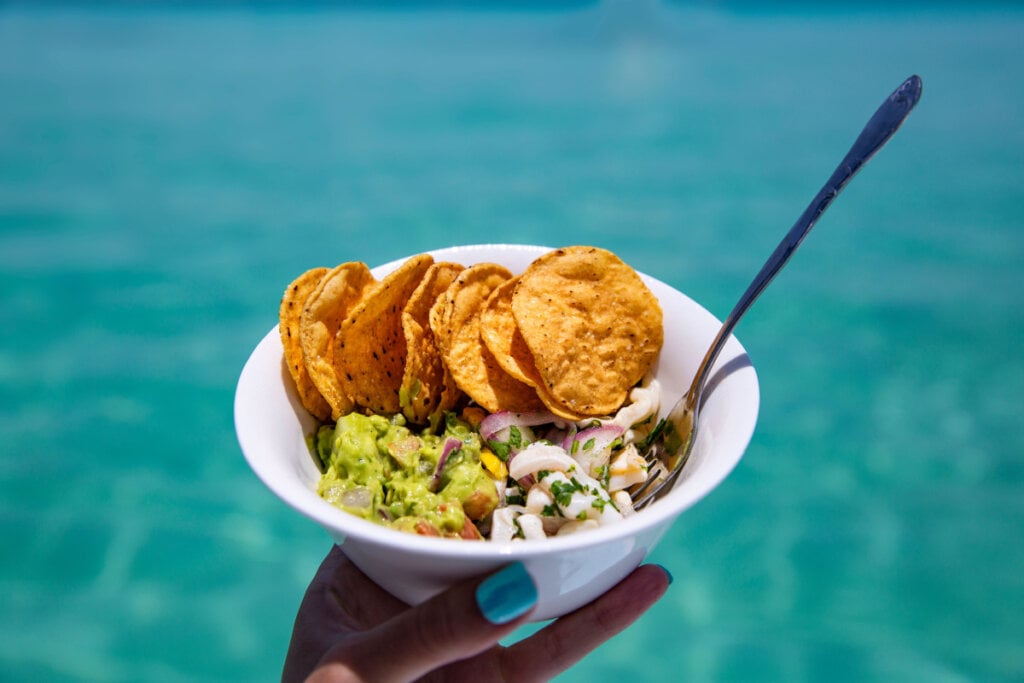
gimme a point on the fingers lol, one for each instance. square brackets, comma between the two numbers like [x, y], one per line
[567, 640]
[459, 623]
[406, 643]
[364, 603]
[339, 601]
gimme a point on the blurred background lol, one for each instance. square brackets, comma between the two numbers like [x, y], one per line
[166, 169]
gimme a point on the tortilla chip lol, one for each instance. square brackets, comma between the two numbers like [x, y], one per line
[501, 335]
[593, 327]
[427, 387]
[370, 347]
[292, 304]
[455, 320]
[335, 295]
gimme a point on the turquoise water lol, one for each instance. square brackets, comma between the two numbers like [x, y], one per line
[163, 175]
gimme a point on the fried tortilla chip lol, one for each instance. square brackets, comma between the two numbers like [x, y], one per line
[291, 310]
[325, 309]
[499, 332]
[427, 387]
[455, 320]
[593, 327]
[501, 335]
[370, 347]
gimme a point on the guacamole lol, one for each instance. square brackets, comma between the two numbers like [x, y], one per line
[432, 484]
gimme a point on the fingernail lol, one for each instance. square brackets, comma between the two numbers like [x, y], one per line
[668, 574]
[507, 594]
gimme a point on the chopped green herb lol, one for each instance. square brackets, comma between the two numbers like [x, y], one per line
[551, 511]
[562, 491]
[655, 433]
[500, 449]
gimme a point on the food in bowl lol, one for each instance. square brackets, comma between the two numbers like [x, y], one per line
[471, 402]
[274, 430]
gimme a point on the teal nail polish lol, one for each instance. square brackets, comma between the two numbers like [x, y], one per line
[668, 574]
[506, 595]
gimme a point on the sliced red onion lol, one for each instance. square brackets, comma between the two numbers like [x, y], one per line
[570, 434]
[496, 422]
[598, 454]
[602, 436]
[451, 444]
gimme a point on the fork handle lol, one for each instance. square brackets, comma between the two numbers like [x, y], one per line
[886, 120]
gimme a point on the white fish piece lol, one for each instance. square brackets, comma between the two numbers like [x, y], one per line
[626, 468]
[540, 456]
[587, 500]
[645, 400]
[624, 502]
[531, 526]
[537, 499]
[503, 523]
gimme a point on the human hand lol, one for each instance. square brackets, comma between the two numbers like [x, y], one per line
[350, 630]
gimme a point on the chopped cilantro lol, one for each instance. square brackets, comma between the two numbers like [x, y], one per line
[562, 491]
[551, 511]
[655, 433]
[501, 449]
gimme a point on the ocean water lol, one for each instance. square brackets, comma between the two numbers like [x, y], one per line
[165, 172]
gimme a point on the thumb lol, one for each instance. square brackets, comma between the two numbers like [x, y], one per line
[459, 623]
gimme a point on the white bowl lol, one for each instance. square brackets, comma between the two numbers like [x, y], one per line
[569, 571]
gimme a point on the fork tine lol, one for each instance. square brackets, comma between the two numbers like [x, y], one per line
[664, 485]
[656, 472]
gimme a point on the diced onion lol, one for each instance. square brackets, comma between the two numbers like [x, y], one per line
[451, 444]
[494, 423]
[358, 497]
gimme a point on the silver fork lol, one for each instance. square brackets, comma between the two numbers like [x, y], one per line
[669, 446]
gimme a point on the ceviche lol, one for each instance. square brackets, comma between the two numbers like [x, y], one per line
[501, 476]
[473, 402]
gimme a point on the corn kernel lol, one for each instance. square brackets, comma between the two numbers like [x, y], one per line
[493, 464]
